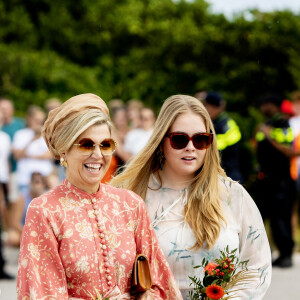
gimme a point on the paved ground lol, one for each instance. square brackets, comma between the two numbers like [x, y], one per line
[285, 282]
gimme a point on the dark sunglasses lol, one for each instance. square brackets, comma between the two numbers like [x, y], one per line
[87, 146]
[179, 140]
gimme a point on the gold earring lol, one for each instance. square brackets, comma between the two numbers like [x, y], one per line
[63, 163]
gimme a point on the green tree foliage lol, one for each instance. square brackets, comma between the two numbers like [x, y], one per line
[146, 49]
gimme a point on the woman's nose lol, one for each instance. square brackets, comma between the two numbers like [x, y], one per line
[97, 151]
[190, 146]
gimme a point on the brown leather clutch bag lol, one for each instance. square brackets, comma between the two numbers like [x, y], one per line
[141, 275]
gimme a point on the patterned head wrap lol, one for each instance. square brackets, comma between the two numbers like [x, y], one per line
[62, 116]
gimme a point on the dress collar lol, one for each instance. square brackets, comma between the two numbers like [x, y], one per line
[78, 191]
[154, 184]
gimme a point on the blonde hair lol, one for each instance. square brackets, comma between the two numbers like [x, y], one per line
[203, 210]
[68, 121]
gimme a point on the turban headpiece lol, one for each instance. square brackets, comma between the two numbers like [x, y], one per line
[60, 117]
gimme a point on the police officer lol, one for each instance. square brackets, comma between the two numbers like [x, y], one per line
[227, 133]
[277, 189]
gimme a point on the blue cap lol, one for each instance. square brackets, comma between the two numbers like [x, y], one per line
[214, 98]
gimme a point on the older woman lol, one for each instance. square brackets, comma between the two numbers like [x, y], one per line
[83, 236]
[195, 208]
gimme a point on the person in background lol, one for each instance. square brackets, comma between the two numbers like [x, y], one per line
[5, 149]
[52, 103]
[295, 119]
[30, 150]
[119, 131]
[227, 133]
[37, 187]
[276, 189]
[84, 235]
[58, 174]
[196, 210]
[120, 121]
[289, 111]
[294, 122]
[137, 138]
[3, 274]
[119, 115]
[133, 109]
[13, 205]
[114, 104]
[12, 124]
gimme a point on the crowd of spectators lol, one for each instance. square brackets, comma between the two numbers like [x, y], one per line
[28, 170]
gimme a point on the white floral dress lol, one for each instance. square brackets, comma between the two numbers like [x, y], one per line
[244, 231]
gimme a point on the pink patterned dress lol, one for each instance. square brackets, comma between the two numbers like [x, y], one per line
[74, 242]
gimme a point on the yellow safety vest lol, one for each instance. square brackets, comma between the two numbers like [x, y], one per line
[230, 137]
[282, 136]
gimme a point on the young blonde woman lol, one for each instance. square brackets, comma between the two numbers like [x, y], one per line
[195, 208]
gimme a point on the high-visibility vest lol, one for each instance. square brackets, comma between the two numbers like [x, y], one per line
[281, 135]
[284, 136]
[230, 137]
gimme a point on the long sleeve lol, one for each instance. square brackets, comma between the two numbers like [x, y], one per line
[254, 246]
[164, 285]
[74, 242]
[41, 274]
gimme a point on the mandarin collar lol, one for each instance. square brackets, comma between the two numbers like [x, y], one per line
[80, 192]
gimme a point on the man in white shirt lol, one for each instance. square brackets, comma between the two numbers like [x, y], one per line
[30, 149]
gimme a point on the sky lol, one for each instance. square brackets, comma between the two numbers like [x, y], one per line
[229, 7]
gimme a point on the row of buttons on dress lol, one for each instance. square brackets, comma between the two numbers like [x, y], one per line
[103, 242]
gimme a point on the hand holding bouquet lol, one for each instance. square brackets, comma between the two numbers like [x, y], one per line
[221, 279]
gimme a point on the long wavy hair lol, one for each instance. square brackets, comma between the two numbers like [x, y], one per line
[203, 210]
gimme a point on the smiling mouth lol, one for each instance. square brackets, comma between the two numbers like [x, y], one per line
[93, 167]
[188, 158]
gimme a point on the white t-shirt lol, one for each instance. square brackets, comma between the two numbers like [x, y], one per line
[136, 139]
[5, 150]
[26, 166]
[295, 125]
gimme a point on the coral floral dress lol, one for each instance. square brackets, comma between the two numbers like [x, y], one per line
[74, 242]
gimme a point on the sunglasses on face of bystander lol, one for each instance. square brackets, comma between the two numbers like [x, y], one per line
[180, 140]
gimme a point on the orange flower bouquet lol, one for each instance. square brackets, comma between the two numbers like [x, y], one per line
[220, 276]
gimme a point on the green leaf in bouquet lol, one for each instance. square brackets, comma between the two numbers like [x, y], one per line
[207, 280]
[226, 277]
